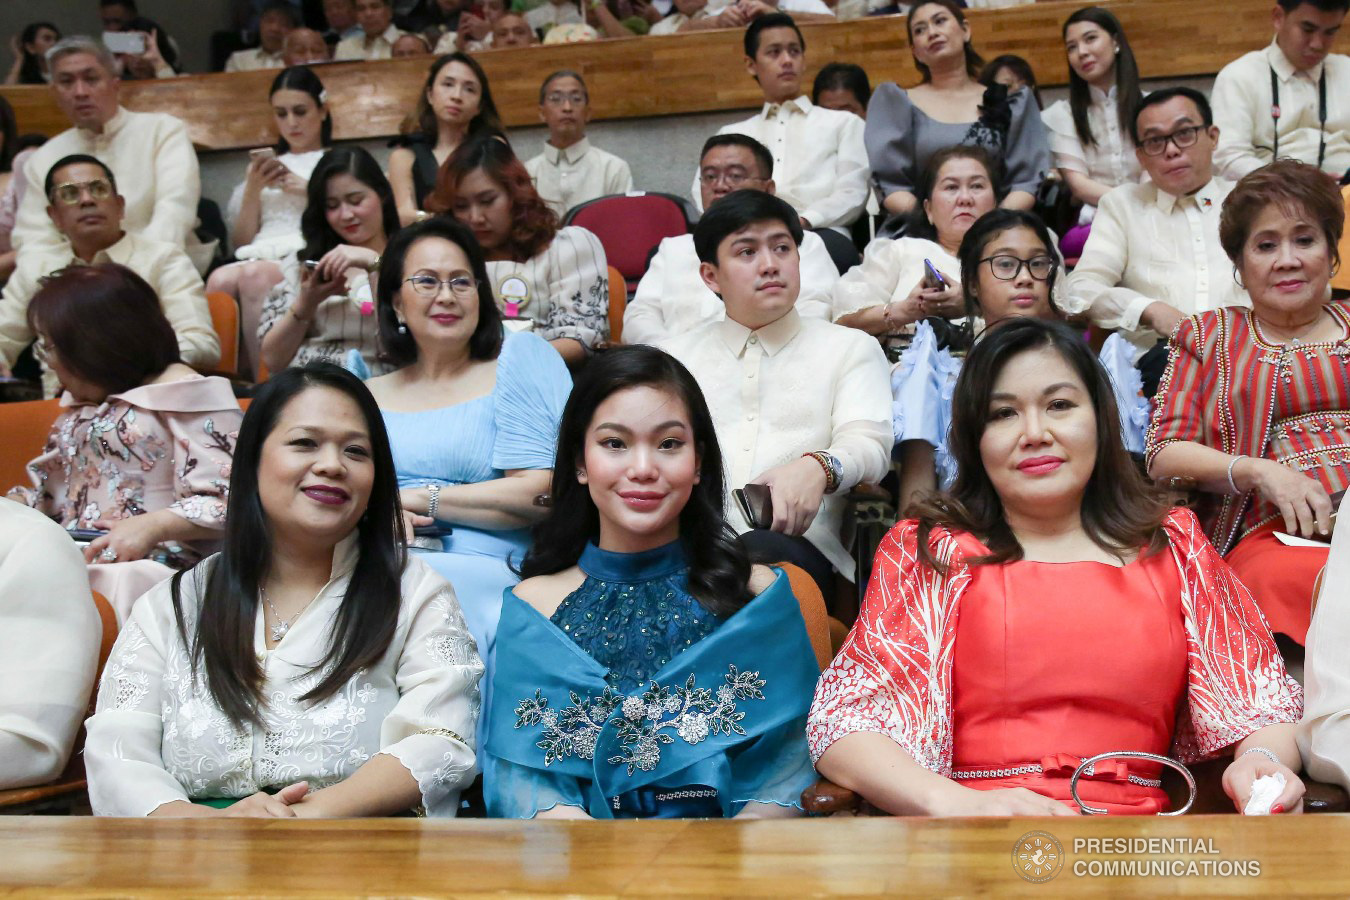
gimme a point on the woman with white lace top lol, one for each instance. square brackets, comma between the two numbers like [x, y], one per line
[1090, 132]
[310, 669]
[265, 208]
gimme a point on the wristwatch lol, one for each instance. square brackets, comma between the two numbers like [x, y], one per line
[834, 469]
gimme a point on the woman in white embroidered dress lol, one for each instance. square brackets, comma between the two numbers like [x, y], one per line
[265, 208]
[310, 669]
[1090, 133]
[1049, 609]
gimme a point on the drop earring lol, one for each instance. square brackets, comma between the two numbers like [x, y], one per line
[402, 327]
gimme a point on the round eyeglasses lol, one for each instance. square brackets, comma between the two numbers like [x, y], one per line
[1006, 268]
[429, 286]
[68, 193]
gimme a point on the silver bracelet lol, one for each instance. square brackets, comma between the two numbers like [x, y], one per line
[1268, 754]
[1232, 485]
[434, 493]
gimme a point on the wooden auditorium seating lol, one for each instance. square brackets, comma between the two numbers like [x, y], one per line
[680, 74]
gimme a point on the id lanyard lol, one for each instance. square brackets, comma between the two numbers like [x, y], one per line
[1321, 114]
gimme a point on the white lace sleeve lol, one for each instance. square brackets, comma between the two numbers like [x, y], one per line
[431, 729]
[122, 752]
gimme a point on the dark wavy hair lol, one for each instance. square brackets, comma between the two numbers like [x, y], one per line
[1121, 510]
[719, 568]
[106, 324]
[974, 62]
[920, 225]
[302, 78]
[1128, 94]
[400, 349]
[221, 643]
[533, 223]
[354, 161]
[487, 119]
[30, 70]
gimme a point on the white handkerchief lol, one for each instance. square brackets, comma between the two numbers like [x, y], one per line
[1264, 792]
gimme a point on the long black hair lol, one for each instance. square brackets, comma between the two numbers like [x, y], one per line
[1121, 511]
[302, 78]
[30, 70]
[1128, 94]
[400, 348]
[719, 569]
[487, 120]
[221, 642]
[354, 161]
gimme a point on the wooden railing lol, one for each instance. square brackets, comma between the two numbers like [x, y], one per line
[689, 73]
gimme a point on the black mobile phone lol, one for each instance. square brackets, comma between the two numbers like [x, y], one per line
[440, 529]
[85, 535]
[932, 278]
[311, 264]
[756, 504]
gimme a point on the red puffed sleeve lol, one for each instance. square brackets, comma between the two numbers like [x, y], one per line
[893, 674]
[1237, 682]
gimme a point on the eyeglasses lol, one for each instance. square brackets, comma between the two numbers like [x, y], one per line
[69, 193]
[733, 178]
[1006, 268]
[558, 98]
[1182, 137]
[429, 286]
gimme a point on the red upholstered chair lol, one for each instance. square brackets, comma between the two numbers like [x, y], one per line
[630, 226]
[24, 427]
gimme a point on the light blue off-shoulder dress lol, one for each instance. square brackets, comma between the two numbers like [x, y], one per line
[924, 380]
[513, 427]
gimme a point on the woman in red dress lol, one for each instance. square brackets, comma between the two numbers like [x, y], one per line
[1047, 610]
[1255, 403]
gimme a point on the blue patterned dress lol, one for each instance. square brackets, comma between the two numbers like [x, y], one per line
[634, 701]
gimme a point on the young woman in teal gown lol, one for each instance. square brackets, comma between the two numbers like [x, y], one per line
[645, 669]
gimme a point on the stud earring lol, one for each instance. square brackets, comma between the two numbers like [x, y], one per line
[402, 327]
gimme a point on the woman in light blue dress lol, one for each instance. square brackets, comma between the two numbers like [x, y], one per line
[923, 381]
[648, 670]
[472, 417]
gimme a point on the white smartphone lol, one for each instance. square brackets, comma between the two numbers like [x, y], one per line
[132, 42]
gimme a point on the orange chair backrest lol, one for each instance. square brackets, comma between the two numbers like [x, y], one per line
[225, 319]
[109, 620]
[24, 428]
[618, 300]
[812, 604]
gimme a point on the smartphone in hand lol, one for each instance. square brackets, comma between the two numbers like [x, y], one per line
[932, 278]
[756, 504]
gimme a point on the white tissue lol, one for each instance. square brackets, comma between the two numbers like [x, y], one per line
[1264, 792]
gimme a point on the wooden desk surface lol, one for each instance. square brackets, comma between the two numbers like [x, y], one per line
[687, 73]
[107, 857]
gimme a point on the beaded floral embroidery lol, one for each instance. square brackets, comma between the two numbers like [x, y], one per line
[643, 721]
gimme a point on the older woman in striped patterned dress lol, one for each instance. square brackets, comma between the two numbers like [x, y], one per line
[1255, 404]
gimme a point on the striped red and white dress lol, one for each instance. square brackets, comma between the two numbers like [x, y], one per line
[1228, 387]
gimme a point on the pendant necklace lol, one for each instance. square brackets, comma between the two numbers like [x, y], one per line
[283, 625]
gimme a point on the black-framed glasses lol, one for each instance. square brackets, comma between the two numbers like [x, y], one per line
[68, 193]
[1006, 268]
[429, 286]
[1182, 137]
